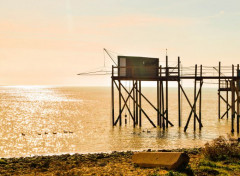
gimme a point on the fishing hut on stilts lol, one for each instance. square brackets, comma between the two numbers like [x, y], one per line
[136, 70]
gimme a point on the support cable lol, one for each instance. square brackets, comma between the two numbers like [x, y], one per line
[110, 56]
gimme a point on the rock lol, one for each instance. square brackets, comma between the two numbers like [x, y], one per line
[103, 164]
[100, 156]
[169, 160]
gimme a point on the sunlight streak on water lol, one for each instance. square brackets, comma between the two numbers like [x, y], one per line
[52, 120]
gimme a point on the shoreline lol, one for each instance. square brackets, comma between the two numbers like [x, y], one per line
[80, 164]
[113, 163]
[105, 152]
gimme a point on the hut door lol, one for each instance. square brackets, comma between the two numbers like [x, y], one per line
[123, 71]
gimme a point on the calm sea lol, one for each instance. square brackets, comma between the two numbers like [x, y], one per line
[55, 120]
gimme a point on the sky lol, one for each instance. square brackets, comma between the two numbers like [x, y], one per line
[48, 42]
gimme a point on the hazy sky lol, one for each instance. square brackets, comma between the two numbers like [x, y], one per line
[48, 42]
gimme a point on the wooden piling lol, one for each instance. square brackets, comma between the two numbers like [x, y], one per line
[140, 103]
[238, 101]
[160, 99]
[158, 104]
[167, 74]
[195, 92]
[200, 100]
[233, 106]
[120, 104]
[219, 92]
[179, 97]
[136, 120]
[112, 99]
[163, 108]
[134, 101]
[233, 100]
[227, 104]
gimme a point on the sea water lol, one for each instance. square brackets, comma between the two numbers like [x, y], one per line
[38, 120]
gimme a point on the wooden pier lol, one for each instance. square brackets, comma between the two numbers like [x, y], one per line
[138, 69]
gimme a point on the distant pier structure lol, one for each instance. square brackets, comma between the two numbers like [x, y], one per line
[136, 70]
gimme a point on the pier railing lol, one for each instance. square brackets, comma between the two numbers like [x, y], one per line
[144, 72]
